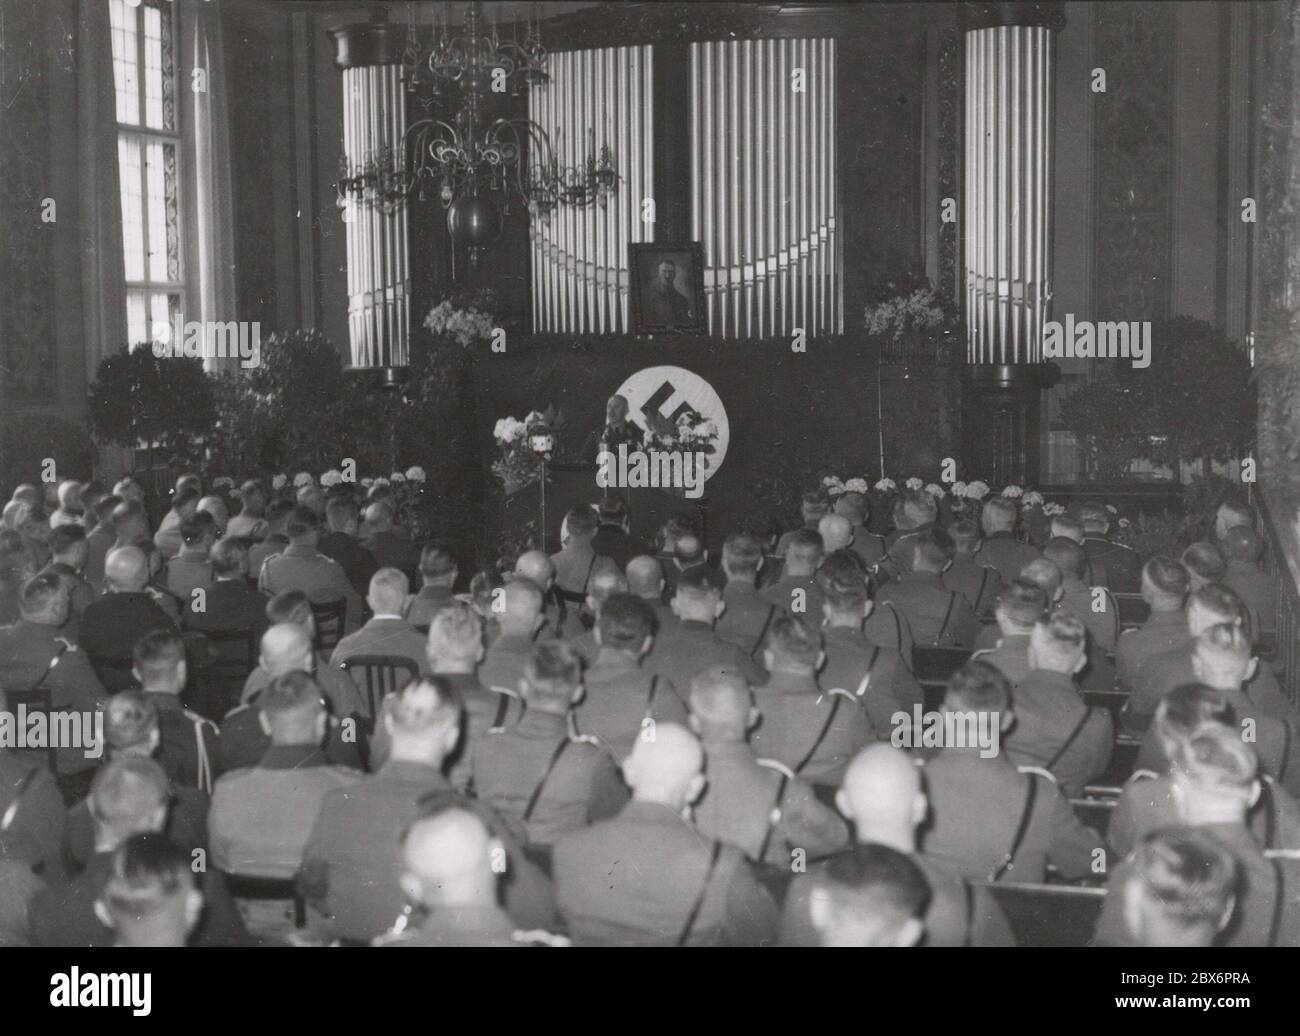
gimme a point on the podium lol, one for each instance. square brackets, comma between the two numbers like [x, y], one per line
[571, 485]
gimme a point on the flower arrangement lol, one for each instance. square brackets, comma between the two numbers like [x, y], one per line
[1013, 492]
[935, 490]
[464, 318]
[331, 478]
[885, 485]
[691, 434]
[519, 464]
[914, 484]
[903, 308]
[303, 479]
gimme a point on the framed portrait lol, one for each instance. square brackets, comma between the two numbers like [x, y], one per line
[667, 288]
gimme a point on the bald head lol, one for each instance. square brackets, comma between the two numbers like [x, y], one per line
[722, 708]
[836, 532]
[286, 647]
[666, 766]
[28, 494]
[882, 796]
[521, 608]
[535, 565]
[126, 569]
[379, 516]
[605, 581]
[451, 859]
[645, 578]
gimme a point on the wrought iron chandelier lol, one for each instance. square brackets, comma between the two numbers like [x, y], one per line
[478, 166]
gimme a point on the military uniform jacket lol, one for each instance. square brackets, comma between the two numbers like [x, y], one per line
[980, 584]
[747, 618]
[391, 550]
[1114, 566]
[888, 627]
[573, 567]
[186, 571]
[542, 780]
[189, 746]
[783, 594]
[1267, 909]
[352, 864]
[683, 649]
[337, 687]
[890, 685]
[229, 604]
[812, 732]
[1163, 631]
[759, 806]
[27, 650]
[633, 880]
[261, 817]
[358, 563]
[168, 537]
[322, 579]
[1056, 731]
[1146, 803]
[503, 665]
[427, 603]
[1011, 656]
[938, 616]
[620, 696]
[867, 545]
[461, 926]
[1005, 553]
[1254, 588]
[187, 826]
[33, 808]
[899, 560]
[259, 552]
[976, 806]
[1103, 626]
[384, 637]
[484, 709]
[960, 912]
[111, 624]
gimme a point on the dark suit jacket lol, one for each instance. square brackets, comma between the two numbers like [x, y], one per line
[111, 625]
[358, 563]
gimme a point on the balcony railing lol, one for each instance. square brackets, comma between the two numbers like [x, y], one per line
[1282, 563]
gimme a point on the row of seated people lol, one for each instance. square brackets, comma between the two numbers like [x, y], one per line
[689, 839]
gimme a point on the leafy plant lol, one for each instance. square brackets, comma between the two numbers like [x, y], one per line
[138, 399]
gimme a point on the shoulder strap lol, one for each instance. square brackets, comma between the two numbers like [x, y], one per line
[826, 727]
[1022, 828]
[536, 796]
[1279, 900]
[771, 610]
[1074, 734]
[898, 625]
[984, 581]
[952, 600]
[586, 580]
[968, 937]
[502, 707]
[1270, 813]
[1286, 749]
[773, 816]
[650, 698]
[201, 752]
[699, 898]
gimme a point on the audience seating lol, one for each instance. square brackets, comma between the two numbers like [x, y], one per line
[1122, 762]
[1133, 610]
[330, 618]
[1096, 813]
[1049, 915]
[932, 667]
[246, 886]
[233, 655]
[378, 675]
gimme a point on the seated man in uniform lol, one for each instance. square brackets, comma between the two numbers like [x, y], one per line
[1000, 548]
[576, 559]
[681, 649]
[276, 538]
[438, 572]
[645, 579]
[884, 798]
[646, 877]
[1114, 565]
[1165, 583]
[168, 538]
[920, 512]
[1181, 889]
[866, 544]
[386, 632]
[813, 507]
[796, 591]
[300, 566]
[32, 816]
[249, 524]
[189, 745]
[991, 820]
[605, 582]
[341, 543]
[980, 584]
[939, 617]
[150, 898]
[1242, 548]
[192, 567]
[1020, 605]
[870, 896]
[533, 772]
[1093, 606]
[1205, 563]
[113, 623]
[755, 804]
[746, 617]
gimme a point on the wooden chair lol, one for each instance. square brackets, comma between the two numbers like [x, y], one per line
[1095, 813]
[378, 675]
[1122, 762]
[933, 668]
[330, 619]
[232, 656]
[246, 886]
[1049, 915]
[1133, 610]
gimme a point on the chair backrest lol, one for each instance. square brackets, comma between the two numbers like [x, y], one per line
[1094, 813]
[232, 655]
[330, 617]
[937, 664]
[378, 675]
[247, 886]
[1133, 610]
[1123, 760]
[1049, 915]
[38, 701]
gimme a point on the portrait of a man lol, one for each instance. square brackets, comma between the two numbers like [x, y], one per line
[668, 283]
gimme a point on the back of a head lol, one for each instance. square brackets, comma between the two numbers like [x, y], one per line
[1094, 518]
[871, 895]
[535, 565]
[1066, 527]
[342, 514]
[130, 720]
[1205, 562]
[1212, 603]
[426, 713]
[965, 536]
[794, 645]
[853, 505]
[698, 593]
[150, 888]
[229, 557]
[1058, 642]
[688, 549]
[1188, 707]
[1221, 655]
[1066, 555]
[1216, 761]
[1233, 513]
[1181, 889]
[455, 636]
[1021, 604]
[388, 591]
[447, 857]
[741, 556]
[197, 528]
[158, 659]
[845, 590]
[126, 569]
[835, 530]
[552, 676]
[289, 606]
[253, 496]
[813, 505]
[1045, 575]
[294, 709]
[303, 523]
[1165, 580]
[920, 507]
[215, 508]
[44, 599]
[998, 514]
[934, 549]
[645, 576]
[625, 622]
[129, 523]
[186, 498]
[129, 795]
[666, 767]
[65, 540]
[803, 552]
[612, 510]
[977, 687]
[606, 580]
[581, 523]
[438, 563]
[521, 607]
[1242, 543]
[721, 704]
[105, 507]
[880, 791]
[277, 514]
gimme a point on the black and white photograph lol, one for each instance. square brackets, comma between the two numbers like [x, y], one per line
[575, 475]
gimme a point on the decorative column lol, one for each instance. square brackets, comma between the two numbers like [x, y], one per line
[1007, 229]
[374, 209]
